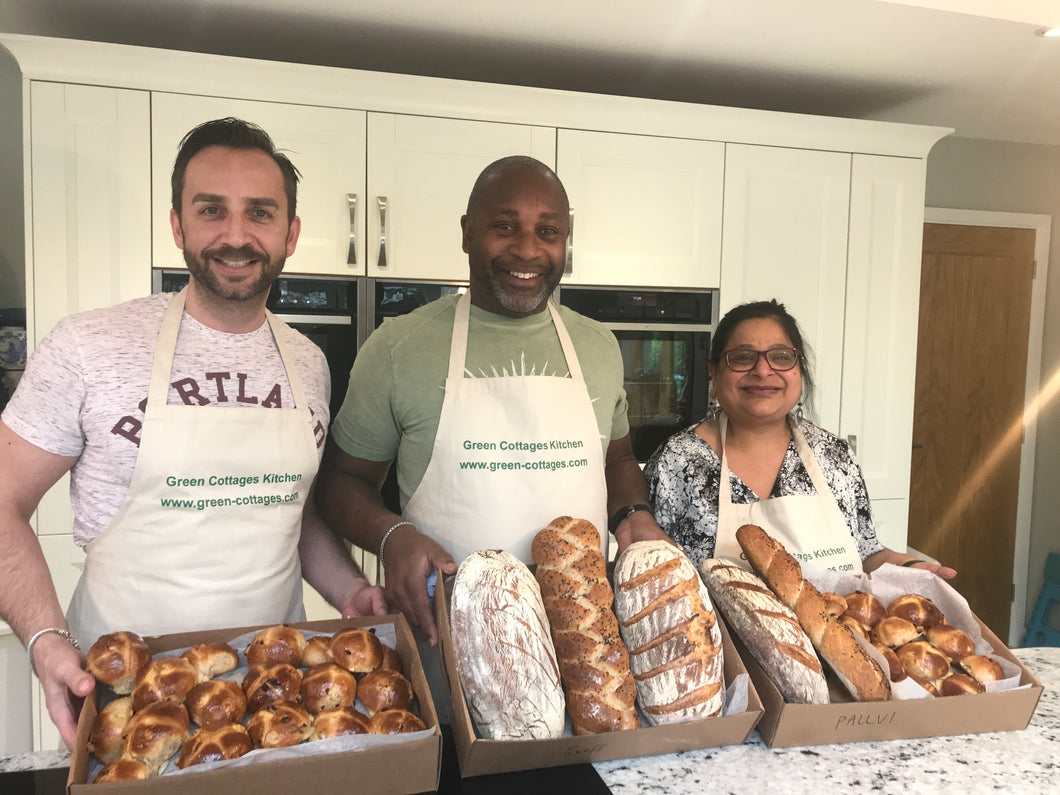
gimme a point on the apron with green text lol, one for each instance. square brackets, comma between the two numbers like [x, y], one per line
[511, 454]
[208, 534]
[810, 526]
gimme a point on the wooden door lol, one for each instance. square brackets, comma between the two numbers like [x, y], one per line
[975, 296]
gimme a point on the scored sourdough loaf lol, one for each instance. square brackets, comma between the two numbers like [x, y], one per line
[859, 673]
[593, 661]
[670, 629]
[505, 659]
[769, 629]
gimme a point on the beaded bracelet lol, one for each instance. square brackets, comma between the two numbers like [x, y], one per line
[65, 633]
[382, 544]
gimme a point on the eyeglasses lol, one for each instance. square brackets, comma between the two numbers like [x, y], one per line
[740, 360]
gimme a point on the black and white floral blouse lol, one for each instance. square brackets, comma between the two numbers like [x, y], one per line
[684, 473]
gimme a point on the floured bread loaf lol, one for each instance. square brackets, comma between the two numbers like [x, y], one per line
[504, 653]
[667, 621]
[769, 629]
[593, 660]
[860, 674]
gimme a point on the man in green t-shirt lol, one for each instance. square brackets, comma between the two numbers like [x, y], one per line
[503, 410]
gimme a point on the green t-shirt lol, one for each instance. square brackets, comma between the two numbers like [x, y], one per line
[397, 383]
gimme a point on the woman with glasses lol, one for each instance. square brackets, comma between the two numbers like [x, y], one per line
[756, 460]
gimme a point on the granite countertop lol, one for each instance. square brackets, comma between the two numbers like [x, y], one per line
[1010, 762]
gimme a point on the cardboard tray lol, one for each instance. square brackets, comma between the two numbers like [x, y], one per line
[402, 767]
[786, 725]
[477, 756]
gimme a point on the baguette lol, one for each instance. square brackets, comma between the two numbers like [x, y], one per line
[769, 629]
[670, 629]
[858, 672]
[593, 660]
[505, 659]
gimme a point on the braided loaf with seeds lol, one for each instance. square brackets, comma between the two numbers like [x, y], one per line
[593, 661]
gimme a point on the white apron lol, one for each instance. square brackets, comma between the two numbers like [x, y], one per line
[810, 526]
[511, 454]
[228, 555]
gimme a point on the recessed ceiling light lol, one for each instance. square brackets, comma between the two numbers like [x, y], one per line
[1049, 33]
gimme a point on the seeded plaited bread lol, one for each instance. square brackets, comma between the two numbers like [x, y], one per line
[769, 629]
[672, 634]
[593, 661]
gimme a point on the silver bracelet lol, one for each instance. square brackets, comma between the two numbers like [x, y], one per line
[386, 535]
[58, 631]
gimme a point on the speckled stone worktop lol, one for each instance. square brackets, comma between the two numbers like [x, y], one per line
[1010, 762]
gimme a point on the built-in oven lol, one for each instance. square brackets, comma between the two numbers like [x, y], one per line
[665, 340]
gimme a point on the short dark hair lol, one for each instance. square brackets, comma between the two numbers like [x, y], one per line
[499, 168]
[772, 309]
[234, 134]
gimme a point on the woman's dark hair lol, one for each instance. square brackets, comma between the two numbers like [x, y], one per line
[234, 134]
[757, 310]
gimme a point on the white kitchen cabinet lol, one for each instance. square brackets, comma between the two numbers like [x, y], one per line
[785, 224]
[65, 561]
[90, 204]
[420, 172]
[879, 335]
[326, 145]
[647, 211]
[90, 240]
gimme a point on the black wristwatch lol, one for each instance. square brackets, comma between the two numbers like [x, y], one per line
[624, 513]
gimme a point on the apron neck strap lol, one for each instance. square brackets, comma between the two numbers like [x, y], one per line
[802, 447]
[166, 346]
[462, 321]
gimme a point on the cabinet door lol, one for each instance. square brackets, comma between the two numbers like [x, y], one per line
[646, 211]
[65, 562]
[89, 155]
[420, 173]
[882, 301]
[326, 145]
[785, 224]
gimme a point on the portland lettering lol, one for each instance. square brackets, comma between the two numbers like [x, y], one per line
[213, 388]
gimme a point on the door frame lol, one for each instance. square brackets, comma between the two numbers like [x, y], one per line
[1041, 224]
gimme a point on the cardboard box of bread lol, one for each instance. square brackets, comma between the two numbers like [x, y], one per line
[554, 666]
[903, 654]
[278, 708]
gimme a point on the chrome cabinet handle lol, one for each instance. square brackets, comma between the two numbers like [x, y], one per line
[382, 202]
[852, 440]
[568, 264]
[351, 254]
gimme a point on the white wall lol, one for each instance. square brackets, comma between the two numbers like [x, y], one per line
[969, 174]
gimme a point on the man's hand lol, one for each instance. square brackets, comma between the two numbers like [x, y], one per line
[65, 683]
[367, 601]
[410, 558]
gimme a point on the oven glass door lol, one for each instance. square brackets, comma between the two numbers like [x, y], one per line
[665, 382]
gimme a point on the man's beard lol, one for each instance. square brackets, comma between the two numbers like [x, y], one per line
[523, 302]
[244, 290]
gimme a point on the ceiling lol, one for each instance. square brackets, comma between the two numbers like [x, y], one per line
[975, 65]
